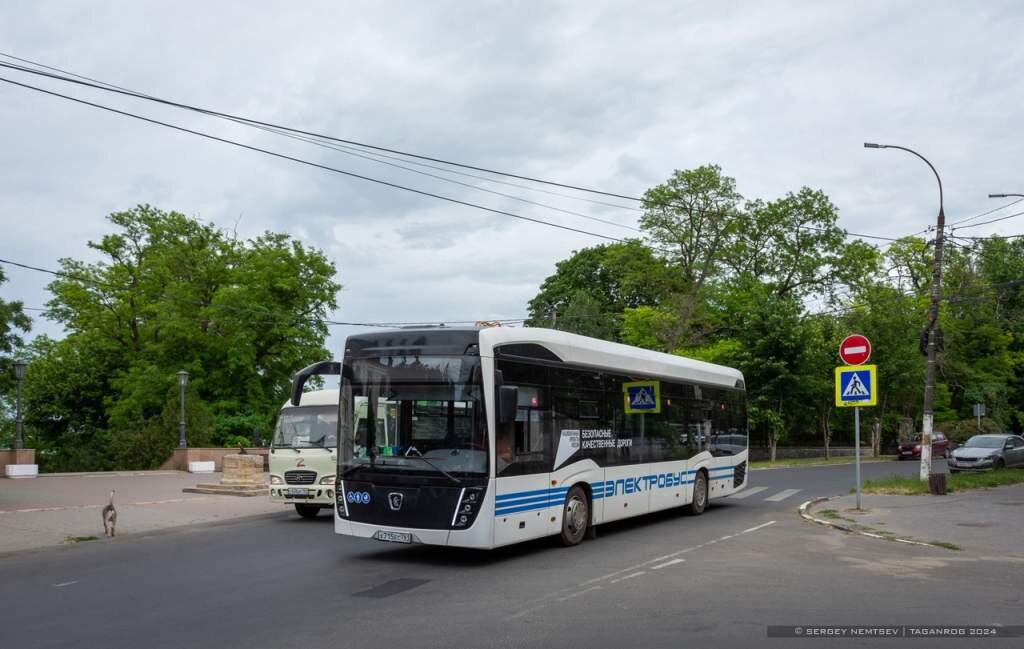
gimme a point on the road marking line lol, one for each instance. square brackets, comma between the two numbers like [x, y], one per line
[635, 574]
[754, 529]
[64, 583]
[746, 493]
[578, 593]
[667, 560]
[782, 495]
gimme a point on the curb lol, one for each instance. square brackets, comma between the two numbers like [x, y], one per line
[850, 530]
[800, 466]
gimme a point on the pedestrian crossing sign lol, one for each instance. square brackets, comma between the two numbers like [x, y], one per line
[856, 385]
[642, 396]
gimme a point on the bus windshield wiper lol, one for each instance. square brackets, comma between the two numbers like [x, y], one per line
[439, 469]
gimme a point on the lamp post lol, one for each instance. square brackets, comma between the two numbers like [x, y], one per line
[19, 375]
[933, 319]
[182, 382]
[1006, 195]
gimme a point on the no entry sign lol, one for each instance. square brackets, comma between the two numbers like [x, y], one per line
[855, 350]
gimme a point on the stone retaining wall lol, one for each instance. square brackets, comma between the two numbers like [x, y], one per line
[182, 456]
[11, 456]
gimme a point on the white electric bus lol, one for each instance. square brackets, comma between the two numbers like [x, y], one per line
[501, 435]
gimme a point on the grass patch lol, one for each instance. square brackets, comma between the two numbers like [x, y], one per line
[913, 486]
[804, 461]
[948, 546]
[79, 539]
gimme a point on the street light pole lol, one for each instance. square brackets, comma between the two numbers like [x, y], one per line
[19, 374]
[182, 382]
[933, 319]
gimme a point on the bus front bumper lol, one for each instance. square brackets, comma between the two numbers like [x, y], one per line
[311, 495]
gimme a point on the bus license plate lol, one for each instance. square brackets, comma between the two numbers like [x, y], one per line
[297, 493]
[393, 537]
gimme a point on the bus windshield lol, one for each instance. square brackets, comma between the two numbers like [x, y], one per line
[307, 427]
[413, 414]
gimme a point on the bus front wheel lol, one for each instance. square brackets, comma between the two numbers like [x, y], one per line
[575, 517]
[699, 502]
[307, 511]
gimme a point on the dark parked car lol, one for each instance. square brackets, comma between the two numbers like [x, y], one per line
[988, 452]
[941, 446]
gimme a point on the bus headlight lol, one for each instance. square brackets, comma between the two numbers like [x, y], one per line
[467, 507]
[276, 479]
[327, 479]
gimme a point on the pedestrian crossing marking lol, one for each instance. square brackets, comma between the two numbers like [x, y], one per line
[746, 493]
[782, 495]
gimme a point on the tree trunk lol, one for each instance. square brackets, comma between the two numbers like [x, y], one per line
[772, 444]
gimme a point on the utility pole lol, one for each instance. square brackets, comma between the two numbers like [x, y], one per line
[933, 321]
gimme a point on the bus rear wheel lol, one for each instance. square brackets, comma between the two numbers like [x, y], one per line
[575, 517]
[307, 511]
[699, 502]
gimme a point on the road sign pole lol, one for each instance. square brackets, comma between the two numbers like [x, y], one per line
[856, 448]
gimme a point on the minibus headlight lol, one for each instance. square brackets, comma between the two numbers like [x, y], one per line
[327, 479]
[467, 507]
[276, 479]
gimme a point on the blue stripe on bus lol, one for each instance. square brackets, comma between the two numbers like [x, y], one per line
[522, 501]
[536, 492]
[528, 501]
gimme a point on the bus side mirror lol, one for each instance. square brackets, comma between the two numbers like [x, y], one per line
[323, 368]
[508, 401]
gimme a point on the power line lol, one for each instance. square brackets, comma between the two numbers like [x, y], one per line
[281, 130]
[308, 162]
[243, 310]
[373, 157]
[1001, 218]
[271, 129]
[207, 111]
[978, 216]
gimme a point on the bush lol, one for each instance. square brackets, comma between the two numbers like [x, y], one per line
[250, 427]
[146, 443]
[234, 441]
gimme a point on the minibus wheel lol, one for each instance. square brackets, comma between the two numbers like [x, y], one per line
[575, 516]
[307, 511]
[699, 502]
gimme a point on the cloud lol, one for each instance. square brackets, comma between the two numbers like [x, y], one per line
[608, 95]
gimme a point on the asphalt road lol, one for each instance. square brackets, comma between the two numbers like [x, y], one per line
[665, 580]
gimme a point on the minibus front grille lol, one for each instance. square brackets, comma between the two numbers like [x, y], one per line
[299, 477]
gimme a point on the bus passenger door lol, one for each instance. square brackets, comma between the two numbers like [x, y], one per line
[523, 491]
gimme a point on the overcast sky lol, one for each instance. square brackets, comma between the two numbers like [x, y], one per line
[607, 95]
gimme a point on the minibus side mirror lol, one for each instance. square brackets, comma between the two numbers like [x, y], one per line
[508, 401]
[323, 368]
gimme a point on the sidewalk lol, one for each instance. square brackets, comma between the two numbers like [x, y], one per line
[983, 522]
[45, 511]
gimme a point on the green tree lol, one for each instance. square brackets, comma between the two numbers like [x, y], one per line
[172, 293]
[589, 291]
[13, 325]
[692, 219]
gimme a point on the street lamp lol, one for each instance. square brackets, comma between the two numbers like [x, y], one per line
[182, 382]
[933, 319]
[1006, 195]
[19, 375]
